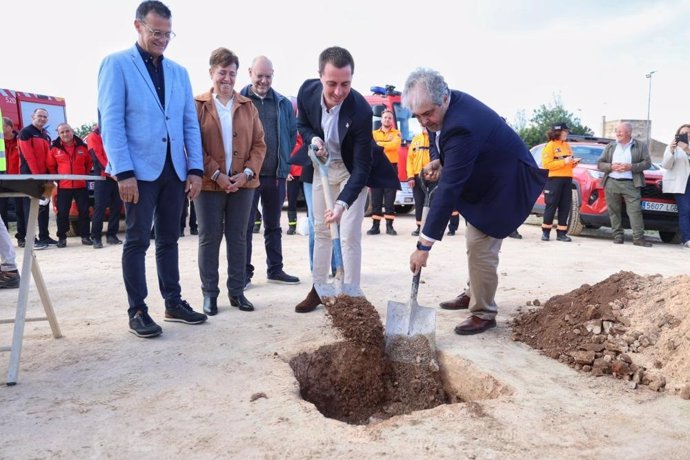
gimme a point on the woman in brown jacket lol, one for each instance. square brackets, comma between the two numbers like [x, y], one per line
[234, 149]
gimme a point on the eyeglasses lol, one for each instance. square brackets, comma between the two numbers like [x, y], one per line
[157, 34]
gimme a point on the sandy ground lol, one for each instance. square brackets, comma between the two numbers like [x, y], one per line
[100, 392]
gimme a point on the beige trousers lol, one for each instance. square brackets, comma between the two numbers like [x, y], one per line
[482, 261]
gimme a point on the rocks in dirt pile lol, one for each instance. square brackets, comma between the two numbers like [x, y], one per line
[353, 381]
[625, 326]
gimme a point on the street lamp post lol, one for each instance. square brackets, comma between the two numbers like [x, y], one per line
[649, 104]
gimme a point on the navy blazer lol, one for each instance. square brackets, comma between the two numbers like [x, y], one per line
[488, 173]
[365, 161]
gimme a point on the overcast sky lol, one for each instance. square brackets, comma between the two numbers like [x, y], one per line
[514, 56]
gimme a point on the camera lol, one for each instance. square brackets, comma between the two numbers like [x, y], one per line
[682, 138]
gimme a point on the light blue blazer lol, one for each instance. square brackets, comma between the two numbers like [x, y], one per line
[135, 126]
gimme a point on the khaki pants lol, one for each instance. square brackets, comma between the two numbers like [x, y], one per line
[350, 227]
[482, 260]
[617, 192]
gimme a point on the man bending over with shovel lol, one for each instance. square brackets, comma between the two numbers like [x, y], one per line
[485, 171]
[337, 120]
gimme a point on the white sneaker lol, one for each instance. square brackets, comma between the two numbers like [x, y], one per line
[686, 244]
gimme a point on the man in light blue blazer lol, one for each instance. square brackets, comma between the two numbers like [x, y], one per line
[151, 133]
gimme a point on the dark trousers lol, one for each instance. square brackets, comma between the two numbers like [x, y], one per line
[188, 210]
[64, 203]
[106, 195]
[271, 191]
[683, 203]
[4, 211]
[160, 203]
[557, 196]
[293, 188]
[383, 198]
[43, 217]
[419, 196]
[21, 222]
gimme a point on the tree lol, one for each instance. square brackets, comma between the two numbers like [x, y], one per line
[543, 118]
[84, 129]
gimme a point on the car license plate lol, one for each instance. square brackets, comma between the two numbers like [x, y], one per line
[659, 207]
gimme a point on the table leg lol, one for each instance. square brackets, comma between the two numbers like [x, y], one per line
[24, 283]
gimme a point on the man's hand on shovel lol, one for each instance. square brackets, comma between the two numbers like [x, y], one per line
[419, 258]
[334, 215]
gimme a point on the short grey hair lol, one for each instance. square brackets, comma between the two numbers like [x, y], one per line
[424, 85]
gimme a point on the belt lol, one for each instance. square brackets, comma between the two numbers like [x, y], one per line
[620, 179]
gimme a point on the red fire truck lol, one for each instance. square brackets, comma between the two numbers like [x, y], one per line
[19, 105]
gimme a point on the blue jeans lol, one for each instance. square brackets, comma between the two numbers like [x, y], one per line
[160, 203]
[223, 214]
[271, 191]
[683, 202]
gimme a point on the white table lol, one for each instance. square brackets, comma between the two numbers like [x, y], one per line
[32, 186]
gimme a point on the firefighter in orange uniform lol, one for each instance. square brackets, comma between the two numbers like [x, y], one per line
[390, 139]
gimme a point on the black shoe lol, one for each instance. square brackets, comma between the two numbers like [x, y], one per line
[97, 243]
[142, 325]
[282, 278]
[49, 241]
[194, 231]
[183, 313]
[563, 237]
[39, 245]
[618, 239]
[474, 325]
[257, 228]
[415, 232]
[211, 306]
[86, 241]
[451, 233]
[515, 235]
[390, 230]
[113, 240]
[374, 230]
[241, 302]
[62, 243]
[642, 242]
[291, 230]
[9, 280]
[21, 242]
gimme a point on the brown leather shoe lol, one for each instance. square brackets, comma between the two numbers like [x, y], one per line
[642, 242]
[474, 325]
[461, 302]
[310, 303]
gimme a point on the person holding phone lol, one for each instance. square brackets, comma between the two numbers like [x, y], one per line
[676, 166]
[557, 157]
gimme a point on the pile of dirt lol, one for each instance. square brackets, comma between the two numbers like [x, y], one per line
[629, 326]
[353, 381]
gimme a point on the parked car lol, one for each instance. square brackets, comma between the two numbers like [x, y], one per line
[589, 209]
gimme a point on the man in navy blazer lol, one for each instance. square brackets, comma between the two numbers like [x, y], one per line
[338, 120]
[151, 133]
[485, 171]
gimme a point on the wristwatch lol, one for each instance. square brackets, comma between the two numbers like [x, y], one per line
[249, 173]
[422, 247]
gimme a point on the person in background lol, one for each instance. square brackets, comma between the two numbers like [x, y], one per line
[280, 132]
[623, 163]
[293, 187]
[231, 164]
[484, 171]
[151, 133]
[70, 155]
[557, 157]
[9, 275]
[388, 137]
[337, 121]
[418, 156]
[105, 193]
[676, 173]
[34, 147]
[188, 210]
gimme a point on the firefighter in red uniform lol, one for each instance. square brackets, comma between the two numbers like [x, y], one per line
[70, 155]
[34, 146]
